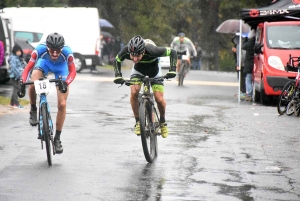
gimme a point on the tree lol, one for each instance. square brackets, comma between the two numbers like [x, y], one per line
[161, 20]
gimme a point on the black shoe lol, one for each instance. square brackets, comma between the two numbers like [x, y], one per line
[33, 118]
[58, 147]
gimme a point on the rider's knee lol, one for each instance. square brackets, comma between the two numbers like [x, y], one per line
[61, 105]
[159, 98]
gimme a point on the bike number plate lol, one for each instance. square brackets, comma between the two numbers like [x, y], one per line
[185, 57]
[42, 86]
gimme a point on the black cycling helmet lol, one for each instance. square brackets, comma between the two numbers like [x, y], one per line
[55, 41]
[181, 34]
[136, 45]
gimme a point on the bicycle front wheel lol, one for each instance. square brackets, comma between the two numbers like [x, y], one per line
[285, 97]
[147, 134]
[181, 74]
[46, 132]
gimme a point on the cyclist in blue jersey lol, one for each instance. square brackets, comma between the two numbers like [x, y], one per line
[145, 58]
[56, 57]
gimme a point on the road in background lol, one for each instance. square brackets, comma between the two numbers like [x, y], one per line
[217, 148]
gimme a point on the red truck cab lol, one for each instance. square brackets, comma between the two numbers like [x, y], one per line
[276, 41]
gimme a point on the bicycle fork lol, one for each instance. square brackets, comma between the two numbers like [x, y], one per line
[43, 100]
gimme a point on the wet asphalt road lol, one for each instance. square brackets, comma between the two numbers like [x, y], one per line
[217, 148]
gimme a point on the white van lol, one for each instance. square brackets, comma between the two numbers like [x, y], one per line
[79, 26]
[7, 38]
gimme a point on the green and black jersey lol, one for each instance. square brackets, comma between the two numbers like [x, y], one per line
[149, 62]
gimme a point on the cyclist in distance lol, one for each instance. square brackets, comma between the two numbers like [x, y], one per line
[182, 44]
[145, 58]
[56, 57]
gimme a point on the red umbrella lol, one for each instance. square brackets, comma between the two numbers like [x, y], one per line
[232, 26]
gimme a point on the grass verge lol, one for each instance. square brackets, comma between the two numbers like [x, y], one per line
[6, 101]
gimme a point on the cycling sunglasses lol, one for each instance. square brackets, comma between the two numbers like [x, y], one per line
[51, 50]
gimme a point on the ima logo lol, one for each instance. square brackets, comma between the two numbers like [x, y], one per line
[296, 1]
[254, 13]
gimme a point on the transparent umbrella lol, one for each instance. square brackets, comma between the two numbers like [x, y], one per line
[232, 26]
[105, 23]
[235, 26]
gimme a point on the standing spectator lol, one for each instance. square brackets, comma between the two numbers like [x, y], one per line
[196, 61]
[17, 66]
[248, 45]
[233, 49]
[241, 69]
[100, 48]
[2, 53]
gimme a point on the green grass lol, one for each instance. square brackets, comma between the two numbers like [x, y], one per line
[6, 101]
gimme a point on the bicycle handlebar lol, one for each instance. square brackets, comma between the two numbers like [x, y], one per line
[293, 64]
[50, 80]
[144, 79]
[62, 87]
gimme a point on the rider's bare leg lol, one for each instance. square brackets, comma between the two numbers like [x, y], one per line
[134, 99]
[161, 103]
[177, 66]
[62, 108]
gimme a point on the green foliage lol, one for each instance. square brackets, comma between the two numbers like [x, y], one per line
[161, 20]
[6, 101]
[35, 3]
[227, 62]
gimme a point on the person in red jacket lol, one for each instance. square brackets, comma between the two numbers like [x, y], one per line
[56, 57]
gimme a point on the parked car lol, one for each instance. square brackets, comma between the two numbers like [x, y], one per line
[6, 36]
[278, 40]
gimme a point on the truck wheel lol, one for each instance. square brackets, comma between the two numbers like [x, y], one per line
[264, 99]
[79, 62]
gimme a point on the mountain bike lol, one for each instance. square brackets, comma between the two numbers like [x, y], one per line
[288, 101]
[184, 66]
[45, 125]
[149, 117]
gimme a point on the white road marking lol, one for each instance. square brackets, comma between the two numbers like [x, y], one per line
[187, 82]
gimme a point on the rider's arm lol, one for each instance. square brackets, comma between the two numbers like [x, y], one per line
[192, 47]
[123, 54]
[162, 52]
[29, 65]
[72, 70]
[173, 59]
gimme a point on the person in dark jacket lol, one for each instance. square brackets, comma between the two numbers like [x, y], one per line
[248, 45]
[16, 67]
[196, 61]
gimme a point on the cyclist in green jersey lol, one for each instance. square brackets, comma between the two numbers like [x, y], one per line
[145, 57]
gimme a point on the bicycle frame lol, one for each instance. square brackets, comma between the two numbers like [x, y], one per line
[146, 93]
[45, 125]
[289, 98]
[43, 100]
[148, 117]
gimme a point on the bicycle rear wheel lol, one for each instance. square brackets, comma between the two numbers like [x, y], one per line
[46, 132]
[285, 97]
[147, 134]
